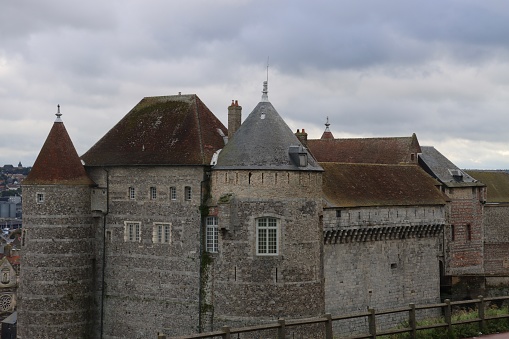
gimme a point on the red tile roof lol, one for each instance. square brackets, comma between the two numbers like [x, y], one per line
[360, 185]
[366, 150]
[167, 130]
[58, 162]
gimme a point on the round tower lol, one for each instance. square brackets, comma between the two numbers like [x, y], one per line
[56, 273]
[266, 190]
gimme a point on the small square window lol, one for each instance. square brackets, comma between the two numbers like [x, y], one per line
[40, 198]
[173, 193]
[153, 193]
[188, 192]
[338, 213]
[131, 193]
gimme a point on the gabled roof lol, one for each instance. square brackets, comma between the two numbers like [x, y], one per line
[438, 166]
[264, 141]
[497, 183]
[365, 185]
[165, 130]
[396, 150]
[58, 162]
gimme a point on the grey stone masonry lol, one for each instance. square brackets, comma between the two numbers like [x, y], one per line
[56, 292]
[151, 279]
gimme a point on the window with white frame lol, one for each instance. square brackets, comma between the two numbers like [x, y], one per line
[187, 192]
[153, 193]
[173, 193]
[131, 193]
[211, 235]
[132, 231]
[39, 198]
[267, 234]
[161, 233]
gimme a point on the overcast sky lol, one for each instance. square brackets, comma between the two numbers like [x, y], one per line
[439, 69]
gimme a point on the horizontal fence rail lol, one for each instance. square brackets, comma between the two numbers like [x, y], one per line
[283, 326]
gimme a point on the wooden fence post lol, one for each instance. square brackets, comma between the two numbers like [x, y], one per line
[412, 322]
[480, 309]
[448, 316]
[328, 326]
[281, 331]
[372, 322]
[226, 331]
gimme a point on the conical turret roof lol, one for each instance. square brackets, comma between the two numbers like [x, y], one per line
[58, 162]
[264, 141]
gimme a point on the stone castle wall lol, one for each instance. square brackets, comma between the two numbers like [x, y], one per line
[150, 286]
[496, 243]
[56, 292]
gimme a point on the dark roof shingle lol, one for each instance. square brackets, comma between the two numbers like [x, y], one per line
[362, 185]
[166, 130]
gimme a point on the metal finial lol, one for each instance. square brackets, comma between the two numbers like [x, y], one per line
[58, 114]
[327, 125]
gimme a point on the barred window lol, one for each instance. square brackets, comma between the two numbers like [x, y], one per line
[131, 193]
[161, 233]
[188, 192]
[212, 235]
[40, 198]
[267, 234]
[132, 231]
[173, 193]
[153, 193]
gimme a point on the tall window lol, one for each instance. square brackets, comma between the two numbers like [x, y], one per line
[187, 192]
[40, 198]
[453, 233]
[267, 236]
[469, 232]
[131, 193]
[161, 233]
[173, 193]
[132, 231]
[153, 193]
[212, 239]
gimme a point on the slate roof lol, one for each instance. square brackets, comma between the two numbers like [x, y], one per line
[395, 150]
[438, 166]
[262, 142]
[497, 183]
[58, 162]
[165, 130]
[369, 185]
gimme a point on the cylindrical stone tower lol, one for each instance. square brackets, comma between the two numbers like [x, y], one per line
[57, 263]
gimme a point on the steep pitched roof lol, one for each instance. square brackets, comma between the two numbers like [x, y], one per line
[264, 141]
[497, 183]
[362, 185]
[58, 162]
[366, 150]
[165, 130]
[438, 166]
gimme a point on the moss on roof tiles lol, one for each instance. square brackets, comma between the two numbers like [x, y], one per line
[166, 130]
[361, 185]
[497, 183]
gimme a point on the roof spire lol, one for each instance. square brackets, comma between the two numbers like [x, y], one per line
[58, 114]
[265, 92]
[327, 134]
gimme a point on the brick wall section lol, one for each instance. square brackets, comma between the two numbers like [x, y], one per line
[57, 263]
[150, 286]
[250, 288]
[465, 252]
[496, 243]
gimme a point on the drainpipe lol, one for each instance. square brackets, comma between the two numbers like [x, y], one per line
[104, 248]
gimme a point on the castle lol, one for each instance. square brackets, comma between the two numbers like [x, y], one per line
[172, 223]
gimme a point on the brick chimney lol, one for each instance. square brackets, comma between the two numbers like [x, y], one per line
[234, 118]
[302, 136]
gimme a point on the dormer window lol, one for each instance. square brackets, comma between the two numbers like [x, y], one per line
[298, 155]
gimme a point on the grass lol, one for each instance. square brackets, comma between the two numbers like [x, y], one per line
[460, 330]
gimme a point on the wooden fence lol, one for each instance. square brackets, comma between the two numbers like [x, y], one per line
[283, 327]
